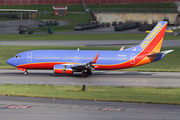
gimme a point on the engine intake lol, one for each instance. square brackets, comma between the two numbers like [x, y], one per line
[63, 69]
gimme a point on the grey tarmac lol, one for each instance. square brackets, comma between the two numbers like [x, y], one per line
[45, 109]
[11, 27]
[61, 109]
[89, 43]
[98, 78]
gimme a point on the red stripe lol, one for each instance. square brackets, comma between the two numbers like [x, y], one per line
[95, 60]
[138, 58]
[156, 40]
[127, 64]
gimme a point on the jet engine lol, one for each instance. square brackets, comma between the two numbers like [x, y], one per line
[63, 69]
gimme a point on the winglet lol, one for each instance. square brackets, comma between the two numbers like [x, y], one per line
[122, 48]
[94, 60]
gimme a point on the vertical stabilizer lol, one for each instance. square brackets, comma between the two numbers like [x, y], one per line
[152, 43]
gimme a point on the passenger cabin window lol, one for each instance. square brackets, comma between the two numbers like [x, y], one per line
[18, 56]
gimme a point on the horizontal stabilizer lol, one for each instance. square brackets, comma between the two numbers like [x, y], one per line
[157, 54]
[167, 51]
[154, 55]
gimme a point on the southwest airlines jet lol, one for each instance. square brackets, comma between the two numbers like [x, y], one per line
[86, 61]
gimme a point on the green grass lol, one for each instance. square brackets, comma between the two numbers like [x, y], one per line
[40, 8]
[177, 30]
[70, 18]
[142, 5]
[3, 20]
[117, 94]
[98, 36]
[79, 8]
[170, 62]
[137, 8]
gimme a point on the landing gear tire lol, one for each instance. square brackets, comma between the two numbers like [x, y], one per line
[87, 73]
[84, 74]
[25, 72]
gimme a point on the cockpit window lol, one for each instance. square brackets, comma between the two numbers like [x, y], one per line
[18, 56]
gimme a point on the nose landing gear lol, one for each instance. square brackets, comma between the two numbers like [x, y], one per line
[25, 72]
[23, 69]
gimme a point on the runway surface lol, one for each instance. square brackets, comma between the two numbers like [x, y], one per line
[60, 109]
[98, 78]
[90, 43]
[45, 109]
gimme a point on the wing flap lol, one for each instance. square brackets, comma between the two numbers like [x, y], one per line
[79, 66]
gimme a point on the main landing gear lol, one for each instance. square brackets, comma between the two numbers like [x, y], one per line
[86, 73]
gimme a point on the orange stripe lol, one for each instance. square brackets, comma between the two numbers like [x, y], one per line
[140, 60]
[158, 36]
[158, 47]
[150, 59]
[44, 65]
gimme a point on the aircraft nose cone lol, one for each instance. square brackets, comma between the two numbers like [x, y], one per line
[10, 61]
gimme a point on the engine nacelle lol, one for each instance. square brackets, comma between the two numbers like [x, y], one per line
[63, 69]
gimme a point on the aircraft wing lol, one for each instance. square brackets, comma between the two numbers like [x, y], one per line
[88, 65]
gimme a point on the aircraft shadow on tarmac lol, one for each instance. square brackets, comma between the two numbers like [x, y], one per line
[96, 74]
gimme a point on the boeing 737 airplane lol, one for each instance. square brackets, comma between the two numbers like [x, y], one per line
[86, 61]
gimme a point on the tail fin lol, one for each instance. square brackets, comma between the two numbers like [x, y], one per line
[152, 43]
